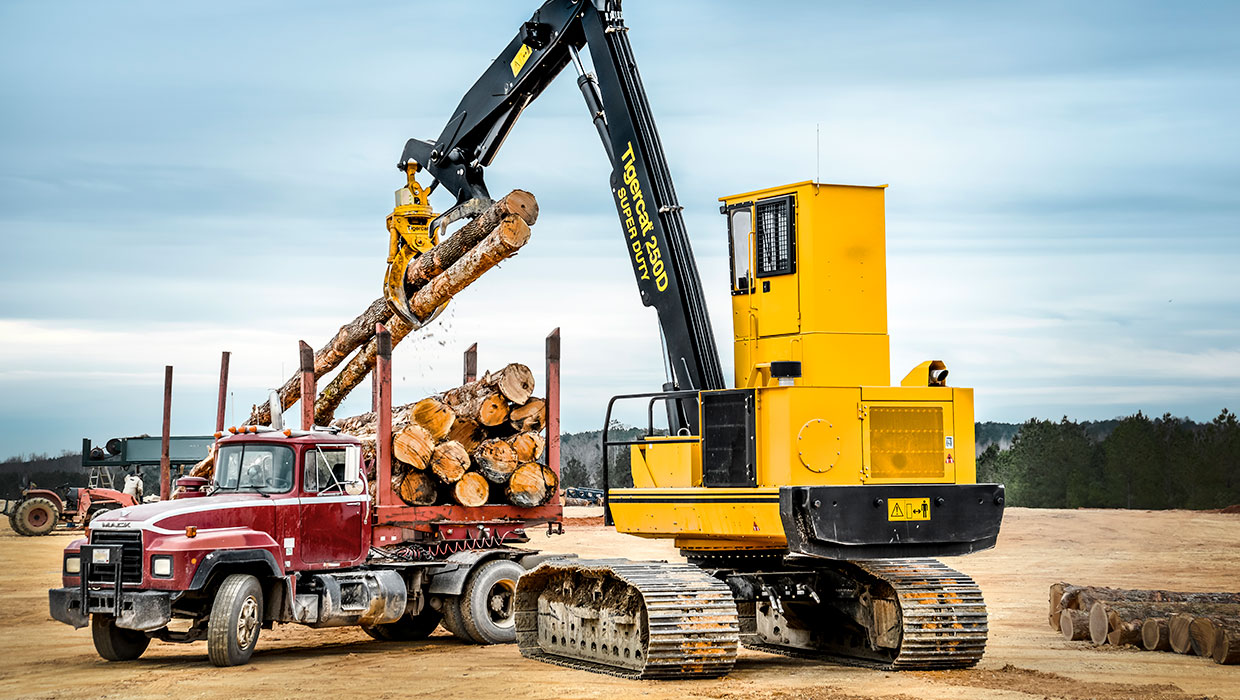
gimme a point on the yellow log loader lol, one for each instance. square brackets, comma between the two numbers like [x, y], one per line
[808, 493]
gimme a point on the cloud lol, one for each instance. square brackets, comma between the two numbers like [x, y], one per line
[180, 180]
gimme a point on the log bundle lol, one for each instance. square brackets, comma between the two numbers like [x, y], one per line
[1204, 624]
[476, 444]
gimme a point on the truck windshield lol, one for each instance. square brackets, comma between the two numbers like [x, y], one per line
[258, 468]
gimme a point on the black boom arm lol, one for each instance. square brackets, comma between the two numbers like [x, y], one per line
[641, 183]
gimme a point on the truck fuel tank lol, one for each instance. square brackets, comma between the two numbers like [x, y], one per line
[350, 598]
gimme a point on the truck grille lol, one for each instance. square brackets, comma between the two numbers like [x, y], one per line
[131, 556]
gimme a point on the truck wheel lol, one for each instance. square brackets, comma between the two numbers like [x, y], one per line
[116, 643]
[36, 516]
[487, 608]
[451, 611]
[408, 628]
[236, 618]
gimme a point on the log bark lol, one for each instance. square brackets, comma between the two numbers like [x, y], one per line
[530, 416]
[528, 446]
[1074, 624]
[1128, 616]
[1084, 597]
[206, 467]
[414, 446]
[471, 490]
[553, 482]
[423, 269]
[418, 488]
[528, 486]
[501, 244]
[1155, 634]
[1057, 590]
[496, 460]
[449, 462]
[435, 416]
[486, 408]
[1227, 642]
[433, 262]
[467, 432]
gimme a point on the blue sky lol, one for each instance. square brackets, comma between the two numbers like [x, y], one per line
[179, 179]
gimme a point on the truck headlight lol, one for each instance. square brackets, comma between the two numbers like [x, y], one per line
[73, 564]
[161, 566]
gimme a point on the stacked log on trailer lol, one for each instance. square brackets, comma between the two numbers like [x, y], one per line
[1205, 624]
[476, 444]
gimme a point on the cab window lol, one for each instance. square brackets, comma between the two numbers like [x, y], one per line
[325, 470]
[254, 468]
[740, 226]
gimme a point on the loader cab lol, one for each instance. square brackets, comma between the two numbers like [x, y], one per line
[809, 283]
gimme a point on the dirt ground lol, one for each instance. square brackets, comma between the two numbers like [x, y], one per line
[41, 658]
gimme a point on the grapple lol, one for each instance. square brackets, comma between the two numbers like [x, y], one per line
[412, 235]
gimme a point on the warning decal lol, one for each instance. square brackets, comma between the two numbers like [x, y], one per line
[908, 509]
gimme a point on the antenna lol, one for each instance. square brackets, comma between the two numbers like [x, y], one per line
[817, 152]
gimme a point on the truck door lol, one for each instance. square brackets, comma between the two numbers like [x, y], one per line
[332, 521]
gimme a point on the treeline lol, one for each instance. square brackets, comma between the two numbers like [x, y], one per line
[1133, 462]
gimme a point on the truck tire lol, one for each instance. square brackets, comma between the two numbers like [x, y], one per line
[450, 608]
[487, 608]
[236, 619]
[116, 643]
[409, 628]
[36, 516]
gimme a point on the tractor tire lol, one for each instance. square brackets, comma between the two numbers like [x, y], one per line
[408, 628]
[15, 523]
[451, 611]
[116, 643]
[99, 512]
[488, 605]
[36, 516]
[236, 619]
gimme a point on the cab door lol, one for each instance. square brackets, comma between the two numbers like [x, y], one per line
[333, 532]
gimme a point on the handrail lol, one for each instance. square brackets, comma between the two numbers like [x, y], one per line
[654, 397]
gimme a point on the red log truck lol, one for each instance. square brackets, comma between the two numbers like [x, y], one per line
[286, 532]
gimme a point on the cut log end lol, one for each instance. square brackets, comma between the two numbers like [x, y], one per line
[435, 416]
[418, 489]
[449, 462]
[528, 486]
[414, 446]
[471, 490]
[1099, 623]
[496, 460]
[1155, 635]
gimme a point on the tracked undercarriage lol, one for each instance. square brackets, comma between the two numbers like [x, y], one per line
[659, 620]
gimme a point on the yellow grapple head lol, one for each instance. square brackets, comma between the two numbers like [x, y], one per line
[409, 226]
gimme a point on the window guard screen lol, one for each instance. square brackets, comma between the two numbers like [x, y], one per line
[775, 237]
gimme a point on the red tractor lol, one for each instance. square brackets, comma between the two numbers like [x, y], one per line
[38, 510]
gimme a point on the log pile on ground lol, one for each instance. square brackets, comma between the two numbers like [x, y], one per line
[1205, 624]
[472, 445]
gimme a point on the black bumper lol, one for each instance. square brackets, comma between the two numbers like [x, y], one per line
[856, 522]
[135, 610]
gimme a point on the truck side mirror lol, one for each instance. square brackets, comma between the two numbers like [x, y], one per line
[353, 484]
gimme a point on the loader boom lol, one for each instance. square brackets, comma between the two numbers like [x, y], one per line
[641, 183]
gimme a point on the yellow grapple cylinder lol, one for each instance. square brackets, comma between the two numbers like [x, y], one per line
[411, 235]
